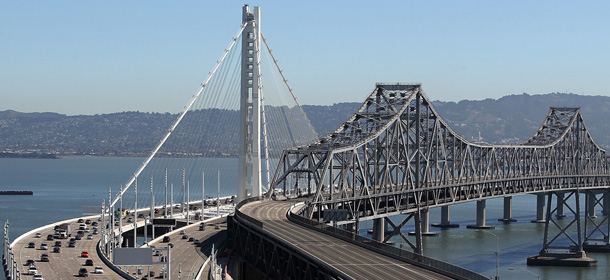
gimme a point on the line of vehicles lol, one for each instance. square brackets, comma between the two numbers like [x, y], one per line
[64, 231]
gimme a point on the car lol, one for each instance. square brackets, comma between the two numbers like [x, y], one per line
[95, 231]
[202, 226]
[84, 254]
[82, 227]
[57, 244]
[38, 277]
[87, 230]
[183, 232]
[78, 237]
[83, 272]
[140, 216]
[95, 228]
[191, 239]
[50, 237]
[217, 227]
[185, 236]
[32, 270]
[94, 224]
[80, 221]
[98, 270]
[44, 257]
[130, 220]
[56, 227]
[57, 250]
[88, 262]
[71, 244]
[151, 274]
[196, 242]
[88, 222]
[90, 236]
[31, 245]
[38, 235]
[80, 232]
[29, 262]
[44, 246]
[166, 238]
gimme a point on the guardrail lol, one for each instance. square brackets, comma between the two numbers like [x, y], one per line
[247, 218]
[441, 267]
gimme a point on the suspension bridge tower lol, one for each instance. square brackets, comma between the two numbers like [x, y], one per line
[249, 170]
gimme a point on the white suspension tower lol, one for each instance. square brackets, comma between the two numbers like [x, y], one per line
[249, 170]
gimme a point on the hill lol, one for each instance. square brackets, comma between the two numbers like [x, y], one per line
[510, 119]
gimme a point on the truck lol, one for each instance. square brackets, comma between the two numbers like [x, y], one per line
[64, 231]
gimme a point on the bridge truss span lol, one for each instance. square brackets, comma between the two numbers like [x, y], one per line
[396, 155]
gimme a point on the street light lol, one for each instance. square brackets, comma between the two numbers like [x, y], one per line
[497, 255]
[515, 268]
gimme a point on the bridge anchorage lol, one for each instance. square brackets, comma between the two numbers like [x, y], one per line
[396, 156]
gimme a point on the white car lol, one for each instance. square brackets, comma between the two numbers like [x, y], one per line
[38, 277]
[98, 270]
[38, 235]
[44, 246]
[89, 236]
[32, 270]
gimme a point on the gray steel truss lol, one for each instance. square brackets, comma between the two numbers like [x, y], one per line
[396, 155]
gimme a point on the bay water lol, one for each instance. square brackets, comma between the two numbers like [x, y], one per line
[62, 187]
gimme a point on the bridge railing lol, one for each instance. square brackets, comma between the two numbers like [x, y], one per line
[388, 250]
[247, 218]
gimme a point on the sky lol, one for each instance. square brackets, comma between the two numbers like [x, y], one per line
[95, 57]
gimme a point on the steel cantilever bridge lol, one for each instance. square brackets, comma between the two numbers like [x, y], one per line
[396, 155]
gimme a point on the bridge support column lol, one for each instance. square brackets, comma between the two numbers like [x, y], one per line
[591, 201]
[540, 209]
[606, 204]
[445, 219]
[560, 206]
[379, 226]
[481, 204]
[425, 224]
[570, 254]
[508, 210]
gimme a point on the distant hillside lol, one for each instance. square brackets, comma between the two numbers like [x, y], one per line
[510, 119]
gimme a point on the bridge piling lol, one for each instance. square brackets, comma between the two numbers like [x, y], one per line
[508, 210]
[379, 226]
[606, 203]
[445, 219]
[481, 205]
[560, 206]
[540, 209]
[591, 202]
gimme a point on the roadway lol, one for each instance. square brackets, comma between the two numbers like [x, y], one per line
[352, 260]
[186, 253]
[64, 265]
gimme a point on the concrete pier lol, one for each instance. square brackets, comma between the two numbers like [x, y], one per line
[481, 204]
[591, 205]
[606, 203]
[445, 219]
[425, 225]
[540, 209]
[560, 206]
[379, 226]
[508, 210]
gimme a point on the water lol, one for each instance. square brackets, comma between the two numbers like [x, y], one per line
[62, 187]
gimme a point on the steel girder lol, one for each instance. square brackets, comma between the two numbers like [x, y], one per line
[396, 155]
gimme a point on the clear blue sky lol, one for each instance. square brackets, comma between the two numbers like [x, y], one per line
[88, 57]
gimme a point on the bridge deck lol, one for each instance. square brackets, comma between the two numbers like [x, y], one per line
[355, 261]
[64, 265]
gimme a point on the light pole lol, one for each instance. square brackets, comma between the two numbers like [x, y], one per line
[515, 268]
[497, 255]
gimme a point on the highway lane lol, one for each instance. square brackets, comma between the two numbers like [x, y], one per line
[353, 260]
[184, 252]
[63, 265]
